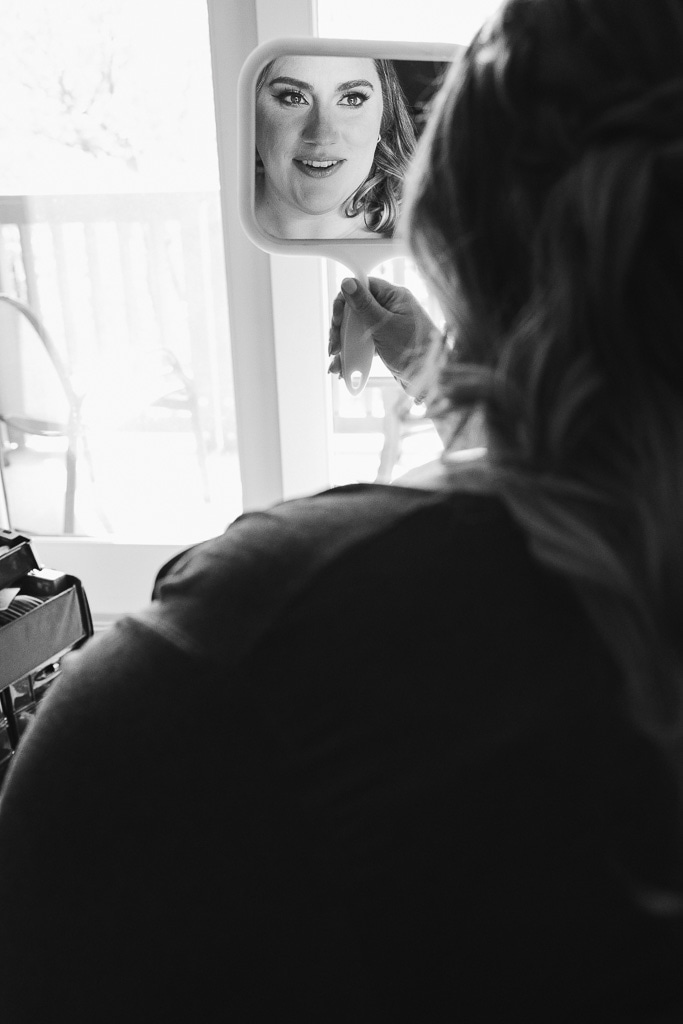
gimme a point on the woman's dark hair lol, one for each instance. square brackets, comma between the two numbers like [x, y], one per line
[546, 207]
[378, 198]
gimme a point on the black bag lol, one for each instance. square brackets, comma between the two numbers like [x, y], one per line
[44, 614]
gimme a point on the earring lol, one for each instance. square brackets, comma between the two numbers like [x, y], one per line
[379, 139]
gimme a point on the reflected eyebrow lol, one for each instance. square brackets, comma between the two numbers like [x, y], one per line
[299, 84]
[354, 83]
[285, 80]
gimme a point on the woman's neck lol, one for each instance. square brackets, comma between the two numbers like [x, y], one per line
[466, 470]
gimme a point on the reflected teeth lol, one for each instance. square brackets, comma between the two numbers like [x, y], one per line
[320, 163]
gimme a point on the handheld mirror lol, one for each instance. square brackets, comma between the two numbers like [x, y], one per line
[327, 129]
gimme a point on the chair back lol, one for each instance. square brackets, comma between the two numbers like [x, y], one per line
[36, 394]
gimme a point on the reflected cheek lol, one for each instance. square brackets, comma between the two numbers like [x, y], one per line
[271, 133]
[362, 138]
[272, 142]
[362, 148]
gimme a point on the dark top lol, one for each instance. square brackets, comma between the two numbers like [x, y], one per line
[362, 759]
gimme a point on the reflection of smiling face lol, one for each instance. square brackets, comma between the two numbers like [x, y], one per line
[317, 122]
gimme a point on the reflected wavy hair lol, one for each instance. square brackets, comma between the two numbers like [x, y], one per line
[545, 205]
[378, 197]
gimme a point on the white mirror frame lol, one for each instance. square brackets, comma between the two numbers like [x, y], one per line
[359, 255]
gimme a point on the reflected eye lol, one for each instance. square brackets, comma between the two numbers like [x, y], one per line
[291, 98]
[353, 99]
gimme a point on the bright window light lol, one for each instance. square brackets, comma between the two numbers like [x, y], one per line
[453, 21]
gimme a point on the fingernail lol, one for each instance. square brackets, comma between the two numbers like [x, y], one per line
[349, 286]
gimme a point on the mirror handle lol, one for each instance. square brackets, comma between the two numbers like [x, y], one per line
[357, 349]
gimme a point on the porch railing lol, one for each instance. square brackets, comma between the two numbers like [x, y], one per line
[127, 272]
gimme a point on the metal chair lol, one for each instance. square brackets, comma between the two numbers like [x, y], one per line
[47, 404]
[29, 393]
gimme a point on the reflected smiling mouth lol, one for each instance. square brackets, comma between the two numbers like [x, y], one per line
[318, 168]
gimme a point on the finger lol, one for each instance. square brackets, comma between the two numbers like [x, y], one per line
[388, 295]
[338, 309]
[334, 343]
[361, 300]
[335, 365]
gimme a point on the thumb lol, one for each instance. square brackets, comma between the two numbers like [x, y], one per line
[360, 300]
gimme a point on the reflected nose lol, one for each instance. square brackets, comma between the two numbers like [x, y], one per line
[321, 127]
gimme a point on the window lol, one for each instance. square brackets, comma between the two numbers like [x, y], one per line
[110, 233]
[111, 238]
[429, 20]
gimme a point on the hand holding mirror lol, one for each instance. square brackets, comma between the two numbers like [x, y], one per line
[328, 128]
